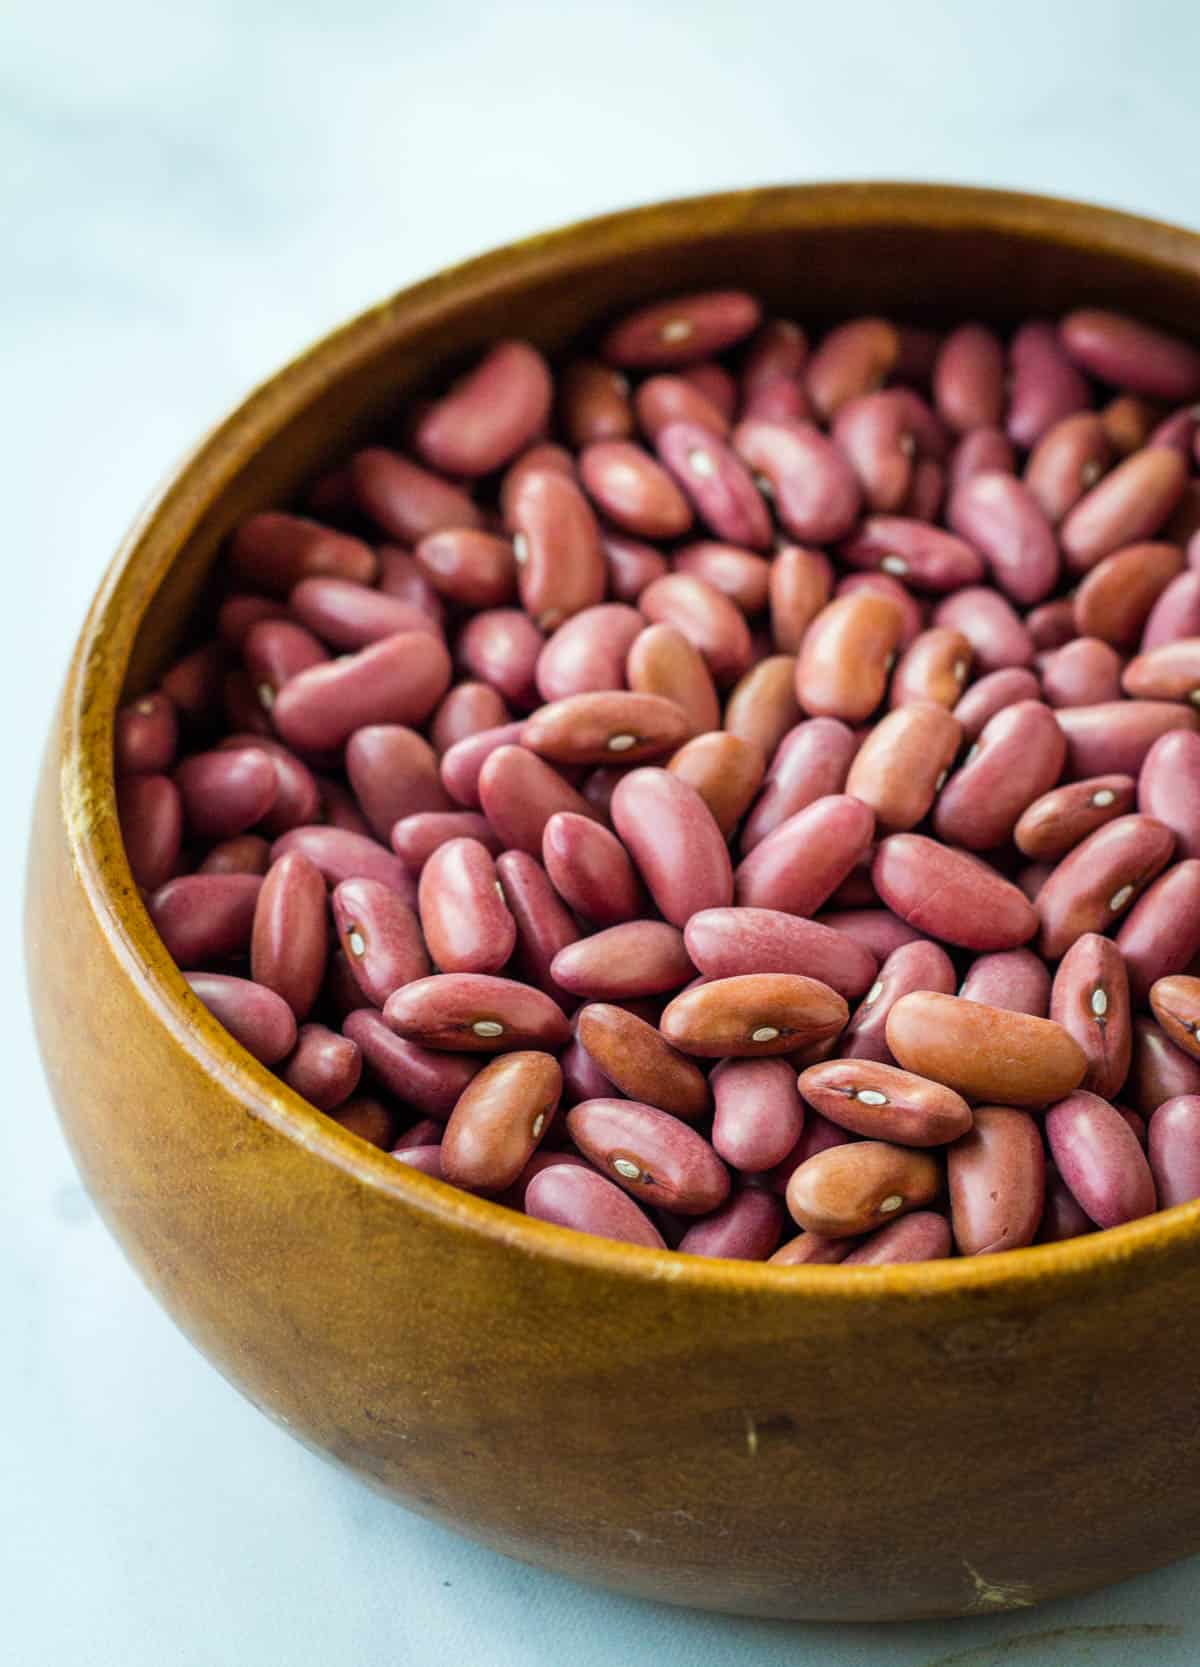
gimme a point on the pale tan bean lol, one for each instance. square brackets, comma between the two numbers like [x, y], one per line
[800, 585]
[847, 655]
[882, 1102]
[635, 1058]
[853, 1189]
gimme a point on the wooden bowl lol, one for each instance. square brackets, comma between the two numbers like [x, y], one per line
[884, 1443]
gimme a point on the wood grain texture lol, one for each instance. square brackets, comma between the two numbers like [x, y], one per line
[818, 1442]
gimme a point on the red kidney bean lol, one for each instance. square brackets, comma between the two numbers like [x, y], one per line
[150, 811]
[519, 793]
[590, 869]
[407, 501]
[1067, 462]
[1129, 354]
[951, 895]
[342, 855]
[273, 552]
[1098, 1157]
[664, 660]
[853, 359]
[1083, 672]
[986, 1053]
[1001, 518]
[594, 403]
[606, 726]
[991, 694]
[738, 574]
[539, 459]
[1011, 978]
[980, 451]
[674, 841]
[325, 1068]
[759, 1113]
[1128, 506]
[350, 616]
[475, 1013]
[400, 576]
[633, 491]
[753, 1015]
[1175, 614]
[804, 860]
[633, 1057]
[1115, 737]
[662, 400]
[799, 588]
[1044, 385]
[471, 568]
[711, 623]
[1171, 672]
[1018, 757]
[912, 550]
[1062, 1217]
[1174, 1150]
[1116, 596]
[337, 806]
[561, 566]
[577, 1197]
[916, 965]
[852, 1189]
[1159, 1070]
[193, 684]
[997, 1181]
[811, 484]
[884, 1103]
[582, 1077]
[544, 926]
[846, 656]
[394, 774]
[934, 667]
[811, 762]
[1169, 787]
[426, 1159]
[499, 1120]
[716, 483]
[903, 762]
[588, 652]
[398, 680]
[997, 636]
[762, 707]
[243, 708]
[490, 414]
[924, 501]
[145, 735]
[717, 384]
[632, 565]
[878, 931]
[1095, 883]
[298, 798]
[236, 617]
[650, 1154]
[380, 938]
[968, 379]
[778, 348]
[1057, 821]
[1129, 421]
[724, 943]
[682, 330]
[1052, 624]
[247, 854]
[290, 936]
[636, 958]
[725, 771]
[205, 917]
[463, 762]
[811, 1248]
[429, 1081]
[465, 919]
[1090, 999]
[875, 433]
[276, 650]
[371, 1121]
[746, 1227]
[254, 1016]
[882, 584]
[1175, 1003]
[1161, 933]
[922, 1236]
[502, 647]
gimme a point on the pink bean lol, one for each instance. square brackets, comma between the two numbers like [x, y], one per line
[1116, 736]
[1012, 978]
[247, 854]
[636, 958]
[398, 680]
[490, 414]
[968, 379]
[394, 773]
[325, 1067]
[759, 1112]
[407, 501]
[1090, 998]
[1169, 787]
[466, 921]
[1044, 386]
[1174, 1150]
[1161, 933]
[661, 400]
[379, 936]
[997, 637]
[594, 403]
[919, 965]
[145, 735]
[1128, 506]
[650, 1154]
[400, 576]
[1099, 1158]
[1129, 354]
[606, 726]
[255, 1016]
[470, 568]
[579, 1198]
[560, 557]
[273, 552]
[854, 358]
[290, 936]
[980, 451]
[1081, 673]
[590, 869]
[342, 855]
[912, 550]
[475, 1013]
[1001, 518]
[875, 434]
[1160, 1071]
[809, 481]
[1018, 757]
[811, 762]
[430, 1081]
[951, 895]
[463, 762]
[747, 1227]
[804, 860]
[1067, 462]
[878, 931]
[675, 843]
[1053, 824]
[415, 838]
[501, 647]
[297, 798]
[992, 694]
[633, 491]
[205, 917]
[544, 925]
[923, 1236]
[1096, 882]
[738, 574]
[349, 616]
[150, 811]
[724, 943]
[588, 652]
[717, 484]
[997, 1179]
[681, 330]
[519, 793]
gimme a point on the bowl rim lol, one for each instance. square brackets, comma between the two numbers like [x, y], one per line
[101, 658]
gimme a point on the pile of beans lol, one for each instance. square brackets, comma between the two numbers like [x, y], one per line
[722, 786]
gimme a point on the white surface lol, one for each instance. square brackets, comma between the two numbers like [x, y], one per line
[189, 193]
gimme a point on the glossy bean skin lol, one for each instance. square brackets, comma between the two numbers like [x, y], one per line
[247, 854]
[1090, 998]
[145, 735]
[342, 855]
[465, 919]
[543, 923]
[540, 459]
[1129, 354]
[857, 1188]
[1159, 1070]
[1161, 933]
[203, 918]
[430, 1081]
[406, 500]
[591, 870]
[398, 680]
[1169, 788]
[874, 432]
[1174, 1150]
[903, 762]
[227, 791]
[985, 1053]
[813, 1249]
[1115, 598]
[577, 1197]
[1175, 614]
[632, 564]
[1067, 462]
[661, 400]
[272, 552]
[759, 1113]
[255, 1016]
[150, 812]
[298, 798]
[324, 1068]
[997, 1182]
[637, 958]
[804, 860]
[753, 1015]
[812, 485]
[1044, 385]
[519, 793]
[980, 451]
[713, 625]
[502, 647]
[675, 843]
[635, 1059]
[799, 585]
[633, 491]
[968, 379]
[1011, 978]
[1098, 1157]
[469, 567]
[853, 359]
[746, 1227]
[1000, 517]
[1115, 737]
[1095, 882]
[499, 1120]
[561, 566]
[883, 1102]
[762, 707]
[1129, 505]
[462, 764]
[810, 763]
[380, 938]
[1175, 1003]
[951, 895]
[606, 726]
[681, 331]
[1018, 757]
[663, 661]
[716, 483]
[594, 403]
[922, 555]
[290, 934]
[934, 667]
[588, 652]
[1083, 672]
[740, 575]
[916, 965]
[998, 638]
[846, 656]
[1062, 1217]
[475, 1013]
[650, 1154]
[1171, 672]
[725, 770]
[394, 773]
[922, 1236]
[725, 943]
[488, 415]
[400, 576]
[347, 616]
[991, 694]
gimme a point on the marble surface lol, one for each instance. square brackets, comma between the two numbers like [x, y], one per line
[188, 193]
